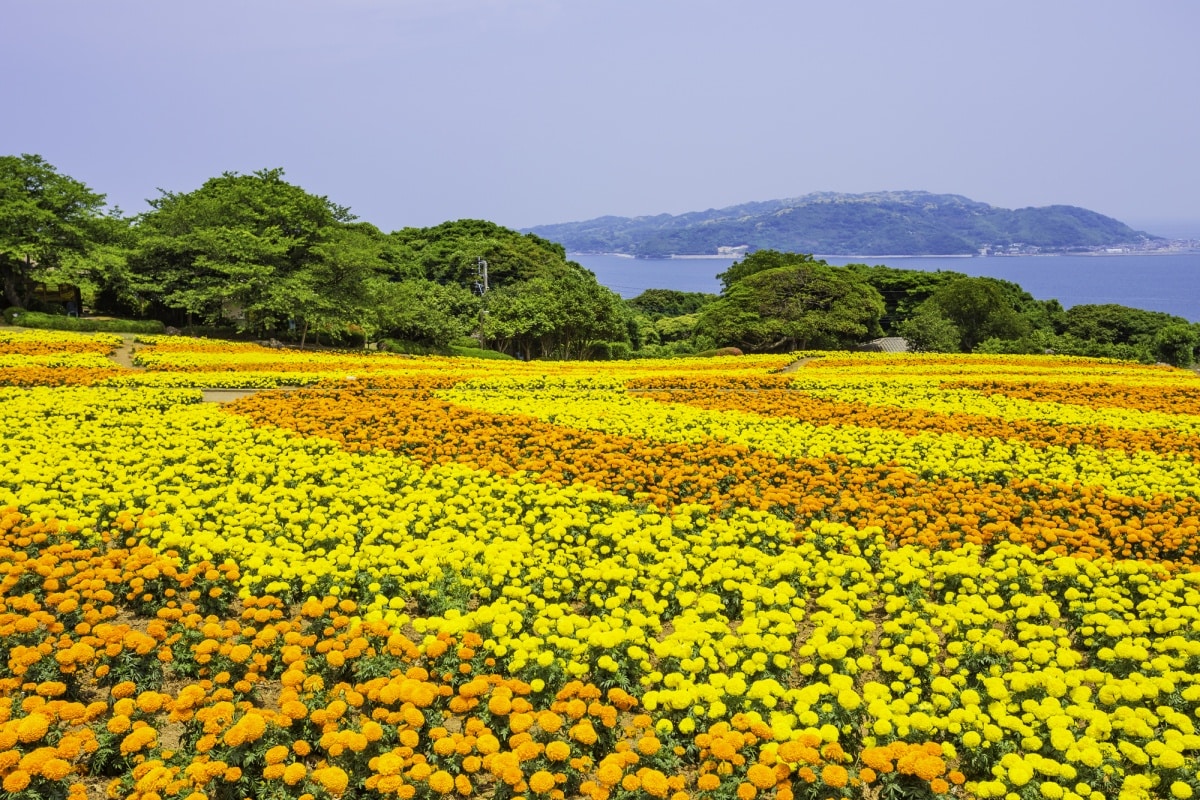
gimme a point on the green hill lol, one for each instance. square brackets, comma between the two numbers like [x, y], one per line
[878, 223]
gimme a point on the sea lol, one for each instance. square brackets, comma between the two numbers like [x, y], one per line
[1168, 282]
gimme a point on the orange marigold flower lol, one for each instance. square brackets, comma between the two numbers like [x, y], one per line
[707, 782]
[655, 783]
[32, 728]
[834, 775]
[746, 791]
[55, 769]
[558, 751]
[762, 776]
[276, 754]
[16, 781]
[939, 786]
[333, 779]
[541, 781]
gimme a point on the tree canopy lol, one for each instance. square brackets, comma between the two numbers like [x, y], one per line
[49, 224]
[802, 305]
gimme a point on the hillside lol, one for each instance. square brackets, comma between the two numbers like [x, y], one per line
[877, 223]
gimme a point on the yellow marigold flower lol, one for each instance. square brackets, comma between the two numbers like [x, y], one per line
[655, 784]
[441, 782]
[276, 754]
[294, 774]
[138, 739]
[558, 751]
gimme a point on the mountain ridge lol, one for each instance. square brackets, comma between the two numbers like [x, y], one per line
[905, 222]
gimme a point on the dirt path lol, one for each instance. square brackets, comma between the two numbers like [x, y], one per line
[797, 364]
[123, 355]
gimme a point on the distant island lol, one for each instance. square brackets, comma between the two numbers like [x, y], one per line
[872, 224]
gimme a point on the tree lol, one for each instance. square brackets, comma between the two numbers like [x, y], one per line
[49, 224]
[903, 290]
[807, 304]
[554, 318]
[1176, 344]
[760, 261]
[980, 308]
[658, 303]
[423, 312]
[241, 246]
[928, 331]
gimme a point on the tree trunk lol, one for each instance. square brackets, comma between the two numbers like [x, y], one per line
[303, 334]
[12, 280]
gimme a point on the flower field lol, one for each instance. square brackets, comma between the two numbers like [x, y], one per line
[876, 576]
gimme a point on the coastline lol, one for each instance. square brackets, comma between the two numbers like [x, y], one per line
[952, 256]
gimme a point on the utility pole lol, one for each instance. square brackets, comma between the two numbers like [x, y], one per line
[481, 286]
[481, 276]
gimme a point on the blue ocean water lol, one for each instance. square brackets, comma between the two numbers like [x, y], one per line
[1169, 283]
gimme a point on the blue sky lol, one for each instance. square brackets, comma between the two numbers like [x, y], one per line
[525, 112]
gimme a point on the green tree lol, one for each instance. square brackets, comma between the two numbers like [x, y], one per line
[1176, 344]
[760, 261]
[807, 304]
[554, 318]
[423, 312]
[657, 303]
[50, 224]
[242, 246]
[981, 308]
[903, 290]
[929, 331]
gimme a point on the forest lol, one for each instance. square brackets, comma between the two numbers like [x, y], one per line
[254, 256]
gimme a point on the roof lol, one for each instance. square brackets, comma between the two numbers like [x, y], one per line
[888, 344]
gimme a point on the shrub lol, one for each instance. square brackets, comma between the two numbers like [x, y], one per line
[40, 321]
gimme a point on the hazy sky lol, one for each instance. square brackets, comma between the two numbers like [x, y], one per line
[524, 112]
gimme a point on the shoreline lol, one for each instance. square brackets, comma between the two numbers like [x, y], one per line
[958, 256]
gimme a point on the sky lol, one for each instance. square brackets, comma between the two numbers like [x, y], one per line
[527, 112]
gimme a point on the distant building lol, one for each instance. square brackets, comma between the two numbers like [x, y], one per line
[888, 344]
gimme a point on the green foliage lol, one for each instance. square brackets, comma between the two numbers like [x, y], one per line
[250, 247]
[1176, 344]
[929, 331]
[449, 253]
[1114, 324]
[55, 322]
[760, 261]
[982, 308]
[424, 312]
[475, 352]
[806, 305]
[674, 329]
[50, 224]
[903, 290]
[658, 303]
[545, 318]
[1041, 341]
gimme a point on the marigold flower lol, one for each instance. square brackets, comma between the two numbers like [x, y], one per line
[333, 779]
